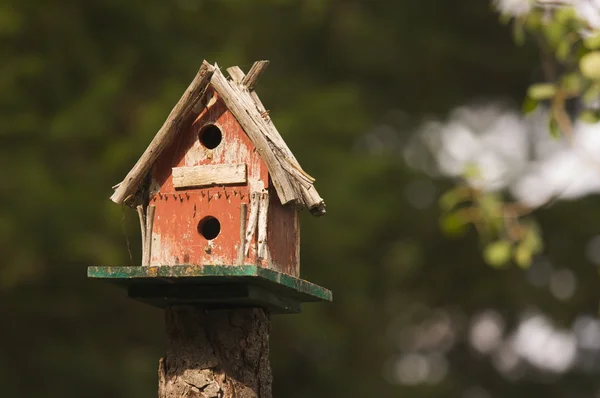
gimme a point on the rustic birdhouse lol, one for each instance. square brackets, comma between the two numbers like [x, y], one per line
[218, 194]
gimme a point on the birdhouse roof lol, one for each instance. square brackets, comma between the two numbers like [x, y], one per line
[293, 185]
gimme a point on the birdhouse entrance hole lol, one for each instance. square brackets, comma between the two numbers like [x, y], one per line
[209, 227]
[210, 136]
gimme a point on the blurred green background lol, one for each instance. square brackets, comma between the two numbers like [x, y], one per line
[85, 85]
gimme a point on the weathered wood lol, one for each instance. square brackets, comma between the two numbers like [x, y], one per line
[216, 353]
[148, 237]
[291, 182]
[207, 175]
[183, 111]
[229, 295]
[254, 74]
[310, 195]
[263, 210]
[282, 237]
[293, 185]
[255, 127]
[237, 75]
[251, 227]
[297, 234]
[288, 160]
[142, 217]
[272, 133]
[201, 275]
[176, 237]
[242, 246]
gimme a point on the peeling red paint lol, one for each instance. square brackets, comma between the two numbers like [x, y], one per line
[283, 236]
[175, 237]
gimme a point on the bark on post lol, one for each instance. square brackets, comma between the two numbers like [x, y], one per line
[215, 354]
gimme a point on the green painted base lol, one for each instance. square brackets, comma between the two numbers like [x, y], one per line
[217, 286]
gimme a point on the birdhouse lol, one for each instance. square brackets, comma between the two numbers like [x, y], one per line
[218, 193]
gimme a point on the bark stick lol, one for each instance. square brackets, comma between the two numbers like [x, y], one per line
[254, 74]
[263, 210]
[150, 210]
[215, 354]
[185, 108]
[251, 226]
[142, 217]
[256, 129]
[242, 247]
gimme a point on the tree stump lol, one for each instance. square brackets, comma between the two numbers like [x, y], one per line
[215, 354]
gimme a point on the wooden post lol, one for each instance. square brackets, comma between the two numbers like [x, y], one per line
[215, 354]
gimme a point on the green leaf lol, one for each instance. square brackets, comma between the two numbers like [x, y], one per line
[591, 94]
[491, 205]
[541, 91]
[471, 171]
[497, 253]
[451, 198]
[553, 127]
[563, 49]
[564, 15]
[571, 83]
[592, 42]
[532, 239]
[529, 105]
[453, 225]
[523, 256]
[519, 32]
[505, 18]
[589, 116]
[589, 65]
[554, 31]
[534, 20]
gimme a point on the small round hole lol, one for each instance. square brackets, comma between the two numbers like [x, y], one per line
[210, 136]
[209, 227]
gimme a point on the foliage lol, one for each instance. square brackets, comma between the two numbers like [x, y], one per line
[569, 48]
[504, 233]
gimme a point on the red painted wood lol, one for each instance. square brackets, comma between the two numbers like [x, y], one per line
[283, 236]
[176, 239]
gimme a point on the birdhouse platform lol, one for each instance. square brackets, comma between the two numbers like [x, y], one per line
[218, 194]
[214, 286]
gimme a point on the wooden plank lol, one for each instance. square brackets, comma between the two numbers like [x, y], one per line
[241, 294]
[263, 209]
[272, 134]
[310, 196]
[305, 193]
[150, 210]
[315, 204]
[242, 245]
[254, 74]
[251, 227]
[236, 74]
[142, 217]
[283, 284]
[180, 113]
[207, 175]
[298, 178]
[254, 125]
